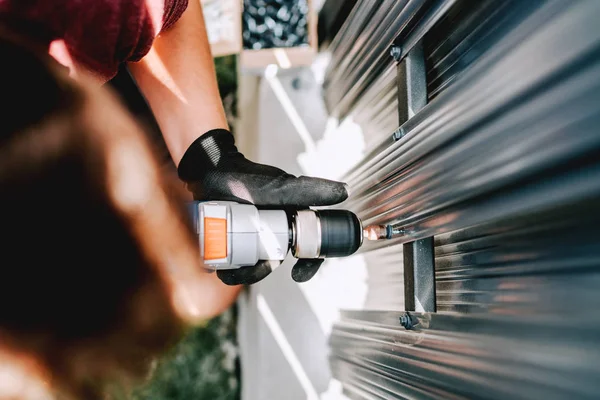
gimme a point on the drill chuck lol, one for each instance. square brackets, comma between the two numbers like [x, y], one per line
[233, 235]
[325, 233]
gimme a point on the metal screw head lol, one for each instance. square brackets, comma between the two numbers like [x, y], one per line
[398, 134]
[406, 321]
[396, 52]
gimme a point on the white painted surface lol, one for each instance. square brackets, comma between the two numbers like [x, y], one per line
[284, 326]
[285, 347]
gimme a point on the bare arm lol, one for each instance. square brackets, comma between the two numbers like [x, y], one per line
[178, 79]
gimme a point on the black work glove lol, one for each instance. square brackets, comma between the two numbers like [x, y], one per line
[214, 169]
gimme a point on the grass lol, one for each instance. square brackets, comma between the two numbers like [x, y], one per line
[203, 366]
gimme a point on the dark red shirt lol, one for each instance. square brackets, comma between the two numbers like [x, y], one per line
[99, 34]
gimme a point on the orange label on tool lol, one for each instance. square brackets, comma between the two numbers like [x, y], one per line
[215, 238]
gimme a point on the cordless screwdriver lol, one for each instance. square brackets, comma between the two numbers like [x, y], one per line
[233, 235]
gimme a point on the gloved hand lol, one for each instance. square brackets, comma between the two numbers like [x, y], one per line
[213, 169]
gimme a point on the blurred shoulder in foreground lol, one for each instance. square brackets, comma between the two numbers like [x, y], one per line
[100, 269]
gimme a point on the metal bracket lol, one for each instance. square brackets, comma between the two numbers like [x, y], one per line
[419, 259]
[416, 80]
[419, 276]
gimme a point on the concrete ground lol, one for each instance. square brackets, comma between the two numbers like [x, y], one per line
[284, 326]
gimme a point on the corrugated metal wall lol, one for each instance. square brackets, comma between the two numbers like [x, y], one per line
[502, 169]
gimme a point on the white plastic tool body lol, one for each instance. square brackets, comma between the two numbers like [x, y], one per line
[233, 235]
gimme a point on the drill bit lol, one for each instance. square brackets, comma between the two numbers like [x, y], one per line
[379, 232]
[375, 232]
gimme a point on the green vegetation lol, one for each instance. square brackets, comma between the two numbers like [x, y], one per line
[204, 365]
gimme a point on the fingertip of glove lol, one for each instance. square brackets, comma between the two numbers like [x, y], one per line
[323, 192]
[339, 192]
[245, 275]
[305, 269]
[227, 277]
[347, 189]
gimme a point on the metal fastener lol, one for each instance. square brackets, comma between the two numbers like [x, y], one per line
[396, 52]
[398, 134]
[395, 231]
[406, 321]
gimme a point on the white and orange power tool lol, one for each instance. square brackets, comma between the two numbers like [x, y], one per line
[233, 235]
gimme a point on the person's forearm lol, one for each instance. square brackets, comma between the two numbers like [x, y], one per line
[178, 79]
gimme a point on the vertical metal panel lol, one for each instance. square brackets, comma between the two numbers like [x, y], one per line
[542, 265]
[332, 15]
[467, 357]
[360, 52]
[465, 33]
[385, 279]
[503, 167]
[376, 110]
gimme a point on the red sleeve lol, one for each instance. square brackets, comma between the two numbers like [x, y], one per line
[100, 34]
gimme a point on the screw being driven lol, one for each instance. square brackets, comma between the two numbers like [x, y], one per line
[406, 321]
